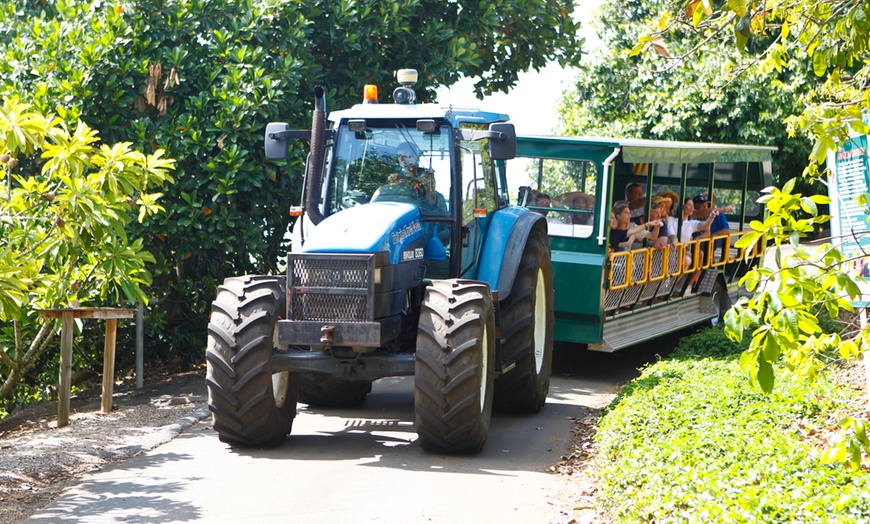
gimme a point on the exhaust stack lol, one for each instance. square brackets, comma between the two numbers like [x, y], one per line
[314, 175]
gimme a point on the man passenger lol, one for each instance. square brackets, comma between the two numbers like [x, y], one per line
[543, 200]
[636, 202]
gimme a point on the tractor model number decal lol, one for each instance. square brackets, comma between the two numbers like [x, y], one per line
[406, 231]
[412, 254]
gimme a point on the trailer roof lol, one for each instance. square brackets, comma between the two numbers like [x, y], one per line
[662, 151]
[417, 111]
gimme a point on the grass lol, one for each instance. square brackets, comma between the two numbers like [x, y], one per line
[691, 440]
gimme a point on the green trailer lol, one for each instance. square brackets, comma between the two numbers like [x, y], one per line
[608, 298]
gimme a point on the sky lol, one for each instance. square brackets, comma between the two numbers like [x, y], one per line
[531, 105]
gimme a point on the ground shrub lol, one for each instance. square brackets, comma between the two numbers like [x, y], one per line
[693, 441]
[708, 343]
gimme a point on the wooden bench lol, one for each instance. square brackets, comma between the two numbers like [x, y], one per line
[67, 316]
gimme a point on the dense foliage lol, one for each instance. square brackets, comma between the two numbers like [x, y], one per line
[201, 78]
[63, 238]
[690, 441]
[705, 99]
[813, 60]
[831, 39]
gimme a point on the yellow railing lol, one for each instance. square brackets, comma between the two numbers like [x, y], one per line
[630, 268]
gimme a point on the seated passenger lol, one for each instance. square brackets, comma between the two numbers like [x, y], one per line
[703, 210]
[669, 201]
[636, 202]
[543, 200]
[659, 233]
[623, 233]
[434, 203]
[578, 200]
[694, 229]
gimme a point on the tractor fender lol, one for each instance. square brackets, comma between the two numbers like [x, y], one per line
[500, 257]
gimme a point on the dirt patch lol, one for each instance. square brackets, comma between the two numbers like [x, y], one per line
[38, 460]
[577, 503]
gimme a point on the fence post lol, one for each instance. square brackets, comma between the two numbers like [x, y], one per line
[109, 364]
[65, 379]
[140, 344]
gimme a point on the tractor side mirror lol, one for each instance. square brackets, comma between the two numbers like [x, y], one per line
[276, 140]
[503, 143]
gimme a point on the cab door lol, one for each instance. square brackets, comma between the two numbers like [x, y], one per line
[477, 201]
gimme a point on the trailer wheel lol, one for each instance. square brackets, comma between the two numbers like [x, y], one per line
[453, 375]
[721, 301]
[527, 330]
[318, 390]
[251, 406]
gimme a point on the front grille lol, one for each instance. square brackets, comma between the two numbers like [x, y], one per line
[332, 272]
[330, 288]
[329, 308]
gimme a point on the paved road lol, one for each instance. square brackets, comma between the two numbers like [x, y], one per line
[360, 465]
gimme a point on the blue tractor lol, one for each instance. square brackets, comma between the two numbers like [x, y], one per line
[407, 259]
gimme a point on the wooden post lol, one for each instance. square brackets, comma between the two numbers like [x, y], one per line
[65, 379]
[109, 364]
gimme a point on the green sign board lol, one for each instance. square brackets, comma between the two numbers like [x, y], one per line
[850, 177]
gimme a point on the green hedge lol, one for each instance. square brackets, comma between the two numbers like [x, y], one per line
[202, 78]
[692, 441]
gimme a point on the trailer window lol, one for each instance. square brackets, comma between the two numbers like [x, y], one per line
[564, 191]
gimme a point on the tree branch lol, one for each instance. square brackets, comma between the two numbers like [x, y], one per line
[7, 359]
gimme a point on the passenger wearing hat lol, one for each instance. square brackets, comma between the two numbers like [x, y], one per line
[702, 211]
[665, 203]
[659, 233]
[671, 212]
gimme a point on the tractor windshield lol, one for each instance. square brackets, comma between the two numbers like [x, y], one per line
[393, 163]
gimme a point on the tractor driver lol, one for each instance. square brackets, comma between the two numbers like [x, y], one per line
[420, 179]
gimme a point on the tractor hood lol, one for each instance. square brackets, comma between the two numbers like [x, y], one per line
[371, 228]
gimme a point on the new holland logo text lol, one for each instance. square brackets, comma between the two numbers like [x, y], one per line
[406, 231]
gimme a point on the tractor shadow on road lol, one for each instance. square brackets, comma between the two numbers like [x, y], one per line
[381, 432]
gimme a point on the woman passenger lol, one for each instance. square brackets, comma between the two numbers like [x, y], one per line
[670, 212]
[664, 214]
[622, 232]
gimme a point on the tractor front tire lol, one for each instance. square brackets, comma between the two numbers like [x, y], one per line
[527, 331]
[323, 391]
[454, 369]
[251, 405]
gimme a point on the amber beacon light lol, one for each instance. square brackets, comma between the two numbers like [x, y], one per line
[370, 94]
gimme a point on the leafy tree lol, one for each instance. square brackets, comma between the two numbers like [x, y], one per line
[830, 39]
[625, 94]
[63, 238]
[201, 78]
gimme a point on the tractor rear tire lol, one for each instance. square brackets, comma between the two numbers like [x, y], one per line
[527, 331]
[323, 391]
[455, 366]
[251, 406]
